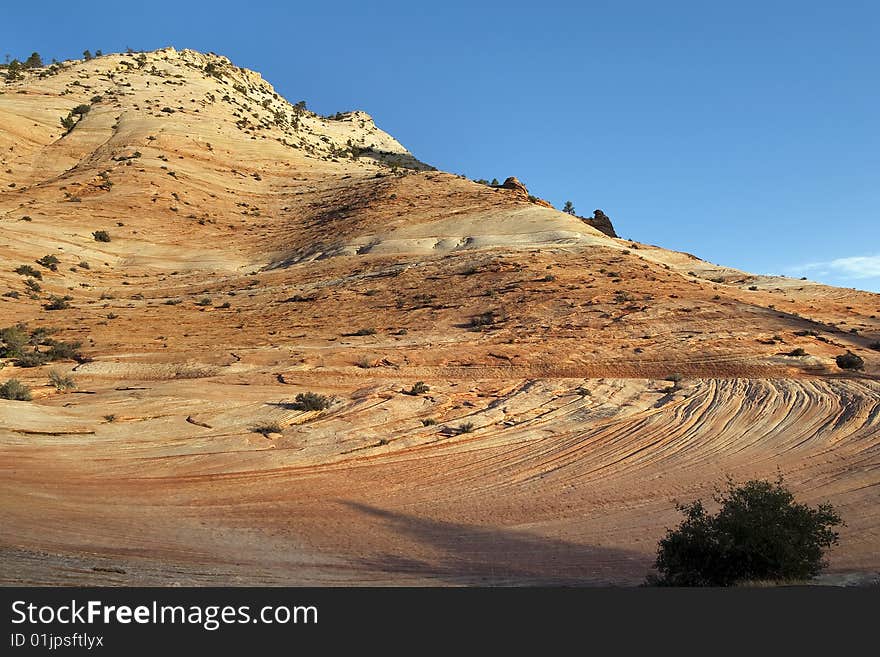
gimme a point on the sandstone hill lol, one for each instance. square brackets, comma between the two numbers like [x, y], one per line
[303, 356]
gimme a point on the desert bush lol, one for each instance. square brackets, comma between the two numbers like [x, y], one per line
[32, 359]
[483, 319]
[68, 123]
[311, 401]
[418, 388]
[12, 340]
[428, 422]
[32, 285]
[850, 361]
[15, 390]
[57, 303]
[797, 352]
[759, 533]
[27, 270]
[101, 236]
[60, 381]
[465, 427]
[64, 350]
[267, 428]
[49, 262]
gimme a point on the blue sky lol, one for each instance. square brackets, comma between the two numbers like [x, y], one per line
[747, 133]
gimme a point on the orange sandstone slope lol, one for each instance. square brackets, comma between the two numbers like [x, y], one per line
[258, 251]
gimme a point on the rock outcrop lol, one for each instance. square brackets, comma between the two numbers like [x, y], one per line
[513, 183]
[601, 222]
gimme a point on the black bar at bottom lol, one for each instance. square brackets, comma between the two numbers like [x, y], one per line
[219, 621]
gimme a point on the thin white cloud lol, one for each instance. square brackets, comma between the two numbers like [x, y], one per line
[854, 267]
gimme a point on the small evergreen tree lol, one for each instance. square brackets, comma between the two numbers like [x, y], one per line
[34, 61]
[87, 55]
[568, 208]
[13, 71]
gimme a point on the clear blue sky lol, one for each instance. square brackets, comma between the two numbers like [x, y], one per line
[747, 133]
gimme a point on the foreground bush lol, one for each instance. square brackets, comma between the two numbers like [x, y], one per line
[759, 534]
[15, 390]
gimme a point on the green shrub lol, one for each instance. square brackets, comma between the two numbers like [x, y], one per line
[57, 303]
[27, 270]
[32, 359]
[49, 262]
[12, 340]
[61, 382]
[311, 401]
[850, 361]
[759, 534]
[267, 428]
[64, 350]
[15, 390]
[418, 388]
[101, 236]
[465, 427]
[13, 71]
[68, 123]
